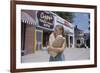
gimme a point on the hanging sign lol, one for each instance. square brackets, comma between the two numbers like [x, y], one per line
[45, 19]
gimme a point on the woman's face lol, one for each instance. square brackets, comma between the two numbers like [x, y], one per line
[57, 31]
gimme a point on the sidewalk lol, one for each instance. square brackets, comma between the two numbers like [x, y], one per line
[70, 54]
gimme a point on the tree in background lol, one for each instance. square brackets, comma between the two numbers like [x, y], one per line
[66, 15]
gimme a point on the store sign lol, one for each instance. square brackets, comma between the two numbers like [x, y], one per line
[45, 19]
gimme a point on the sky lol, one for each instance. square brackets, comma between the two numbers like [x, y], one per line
[82, 21]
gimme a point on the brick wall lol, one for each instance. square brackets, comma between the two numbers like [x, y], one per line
[29, 39]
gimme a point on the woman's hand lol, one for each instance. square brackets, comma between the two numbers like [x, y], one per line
[50, 48]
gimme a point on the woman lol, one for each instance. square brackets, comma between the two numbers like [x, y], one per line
[59, 30]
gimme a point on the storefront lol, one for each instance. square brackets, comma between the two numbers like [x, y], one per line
[36, 26]
[27, 32]
[45, 21]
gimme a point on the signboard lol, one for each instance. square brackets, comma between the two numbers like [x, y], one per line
[45, 19]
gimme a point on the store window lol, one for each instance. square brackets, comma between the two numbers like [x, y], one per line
[38, 39]
[46, 35]
[78, 41]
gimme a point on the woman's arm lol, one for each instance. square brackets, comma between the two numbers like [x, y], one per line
[50, 48]
[63, 47]
[50, 42]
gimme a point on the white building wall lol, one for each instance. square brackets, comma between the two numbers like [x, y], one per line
[69, 31]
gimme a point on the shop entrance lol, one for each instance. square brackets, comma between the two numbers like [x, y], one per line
[67, 41]
[46, 35]
[23, 29]
[71, 41]
[27, 38]
[38, 39]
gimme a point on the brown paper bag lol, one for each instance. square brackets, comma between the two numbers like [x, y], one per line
[58, 43]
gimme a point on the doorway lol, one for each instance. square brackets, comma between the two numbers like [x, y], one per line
[46, 35]
[38, 39]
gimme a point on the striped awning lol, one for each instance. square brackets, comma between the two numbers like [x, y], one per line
[26, 18]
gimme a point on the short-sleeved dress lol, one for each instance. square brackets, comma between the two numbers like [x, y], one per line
[53, 55]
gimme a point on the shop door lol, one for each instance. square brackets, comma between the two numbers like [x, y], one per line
[38, 39]
[46, 35]
[71, 41]
[67, 41]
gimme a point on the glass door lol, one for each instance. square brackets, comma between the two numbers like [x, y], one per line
[38, 39]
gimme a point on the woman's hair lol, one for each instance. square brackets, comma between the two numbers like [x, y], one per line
[60, 27]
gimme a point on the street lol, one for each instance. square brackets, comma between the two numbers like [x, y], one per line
[70, 54]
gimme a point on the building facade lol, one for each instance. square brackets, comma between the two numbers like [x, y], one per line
[79, 37]
[36, 26]
[68, 29]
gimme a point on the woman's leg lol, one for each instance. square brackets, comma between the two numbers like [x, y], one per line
[60, 57]
[51, 58]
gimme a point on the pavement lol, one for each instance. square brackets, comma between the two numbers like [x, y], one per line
[70, 54]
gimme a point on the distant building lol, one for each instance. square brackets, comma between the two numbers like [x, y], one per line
[79, 37]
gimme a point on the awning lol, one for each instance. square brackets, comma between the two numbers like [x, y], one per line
[26, 18]
[68, 30]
